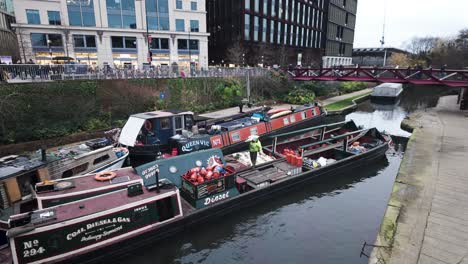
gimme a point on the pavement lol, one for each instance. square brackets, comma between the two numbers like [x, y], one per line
[426, 220]
[335, 99]
[235, 110]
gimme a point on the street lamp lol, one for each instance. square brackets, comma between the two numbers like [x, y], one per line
[243, 59]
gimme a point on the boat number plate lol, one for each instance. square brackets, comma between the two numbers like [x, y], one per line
[216, 198]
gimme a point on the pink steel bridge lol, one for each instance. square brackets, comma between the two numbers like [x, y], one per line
[451, 78]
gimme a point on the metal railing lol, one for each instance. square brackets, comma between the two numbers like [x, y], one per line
[14, 73]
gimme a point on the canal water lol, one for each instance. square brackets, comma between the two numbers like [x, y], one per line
[323, 222]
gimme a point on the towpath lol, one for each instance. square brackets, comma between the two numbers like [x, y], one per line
[235, 110]
[426, 220]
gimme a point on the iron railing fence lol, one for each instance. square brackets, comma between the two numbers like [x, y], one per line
[37, 73]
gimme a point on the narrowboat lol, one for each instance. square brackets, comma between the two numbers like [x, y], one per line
[172, 195]
[18, 173]
[162, 134]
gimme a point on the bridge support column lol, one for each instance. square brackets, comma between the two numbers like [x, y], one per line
[462, 98]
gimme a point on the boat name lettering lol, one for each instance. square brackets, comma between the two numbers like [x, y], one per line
[150, 172]
[141, 209]
[99, 236]
[97, 224]
[216, 198]
[189, 146]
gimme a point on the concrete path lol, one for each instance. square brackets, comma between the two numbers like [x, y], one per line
[345, 96]
[235, 110]
[427, 216]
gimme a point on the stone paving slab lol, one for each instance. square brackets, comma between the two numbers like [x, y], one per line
[432, 223]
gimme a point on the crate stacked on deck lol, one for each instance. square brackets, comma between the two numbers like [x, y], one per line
[204, 186]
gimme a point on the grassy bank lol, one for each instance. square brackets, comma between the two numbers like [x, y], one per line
[344, 103]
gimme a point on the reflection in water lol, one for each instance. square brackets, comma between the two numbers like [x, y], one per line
[388, 117]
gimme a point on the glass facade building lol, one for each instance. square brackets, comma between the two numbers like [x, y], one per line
[81, 13]
[295, 26]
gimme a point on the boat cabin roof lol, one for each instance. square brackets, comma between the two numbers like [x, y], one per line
[88, 183]
[159, 114]
[14, 165]
[94, 205]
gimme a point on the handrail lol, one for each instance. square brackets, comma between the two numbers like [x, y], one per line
[333, 138]
[309, 129]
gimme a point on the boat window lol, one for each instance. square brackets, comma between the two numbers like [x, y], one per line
[304, 115]
[178, 124]
[253, 131]
[235, 136]
[165, 124]
[188, 122]
[101, 159]
[314, 111]
[293, 119]
[286, 121]
[75, 170]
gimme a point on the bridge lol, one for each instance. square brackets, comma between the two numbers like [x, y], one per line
[450, 78]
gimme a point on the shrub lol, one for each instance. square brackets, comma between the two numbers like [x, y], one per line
[300, 96]
[349, 87]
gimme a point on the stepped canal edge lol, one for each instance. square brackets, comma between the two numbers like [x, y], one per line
[426, 219]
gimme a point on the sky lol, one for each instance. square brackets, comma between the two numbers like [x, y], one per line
[406, 19]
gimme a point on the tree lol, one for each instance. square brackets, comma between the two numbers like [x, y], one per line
[400, 59]
[236, 54]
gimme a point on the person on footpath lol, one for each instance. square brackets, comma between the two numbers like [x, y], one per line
[254, 147]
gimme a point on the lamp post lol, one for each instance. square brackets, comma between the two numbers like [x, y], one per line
[189, 51]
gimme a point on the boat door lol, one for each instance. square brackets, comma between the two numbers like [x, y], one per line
[178, 124]
[165, 129]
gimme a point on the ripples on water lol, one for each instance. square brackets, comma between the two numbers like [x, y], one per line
[322, 222]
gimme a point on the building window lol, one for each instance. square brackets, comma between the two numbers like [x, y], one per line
[185, 44]
[264, 30]
[247, 27]
[33, 16]
[193, 6]
[160, 43]
[272, 31]
[38, 40]
[287, 10]
[256, 28]
[45, 40]
[194, 26]
[344, 3]
[121, 13]
[257, 6]
[84, 41]
[123, 42]
[178, 4]
[180, 25]
[247, 4]
[81, 13]
[273, 7]
[265, 7]
[278, 37]
[158, 14]
[346, 19]
[54, 18]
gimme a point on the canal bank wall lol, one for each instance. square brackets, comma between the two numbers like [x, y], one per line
[426, 219]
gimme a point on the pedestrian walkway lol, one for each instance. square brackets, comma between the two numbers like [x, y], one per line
[429, 203]
[335, 99]
[235, 110]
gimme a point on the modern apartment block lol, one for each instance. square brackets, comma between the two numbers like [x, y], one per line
[340, 32]
[267, 32]
[9, 46]
[113, 32]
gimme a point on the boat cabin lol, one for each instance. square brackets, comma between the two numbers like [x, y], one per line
[155, 128]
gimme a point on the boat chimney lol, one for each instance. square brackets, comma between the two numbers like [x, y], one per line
[43, 154]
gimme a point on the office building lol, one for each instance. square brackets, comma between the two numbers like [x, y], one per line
[9, 51]
[113, 32]
[340, 32]
[267, 32]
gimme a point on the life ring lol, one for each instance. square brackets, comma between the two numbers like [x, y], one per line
[105, 176]
[148, 125]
